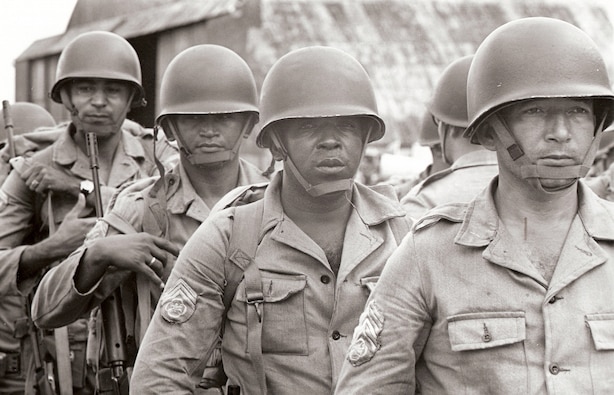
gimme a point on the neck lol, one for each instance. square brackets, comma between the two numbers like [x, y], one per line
[213, 181]
[295, 200]
[519, 201]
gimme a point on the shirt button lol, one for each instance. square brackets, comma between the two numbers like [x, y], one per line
[325, 279]
[552, 300]
[336, 335]
[554, 368]
[486, 338]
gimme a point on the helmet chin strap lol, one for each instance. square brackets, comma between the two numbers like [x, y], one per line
[529, 170]
[200, 159]
[322, 188]
[84, 127]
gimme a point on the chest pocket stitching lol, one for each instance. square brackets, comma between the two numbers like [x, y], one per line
[479, 331]
[602, 330]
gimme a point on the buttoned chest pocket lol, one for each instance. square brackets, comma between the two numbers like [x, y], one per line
[601, 327]
[284, 328]
[491, 345]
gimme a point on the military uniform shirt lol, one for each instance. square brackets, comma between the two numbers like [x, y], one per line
[309, 315]
[459, 310]
[467, 177]
[24, 219]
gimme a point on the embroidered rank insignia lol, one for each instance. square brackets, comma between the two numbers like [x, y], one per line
[365, 342]
[178, 304]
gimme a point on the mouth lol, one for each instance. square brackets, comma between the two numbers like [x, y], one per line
[210, 147]
[556, 160]
[97, 118]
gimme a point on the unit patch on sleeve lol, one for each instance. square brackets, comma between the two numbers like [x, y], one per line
[365, 342]
[178, 304]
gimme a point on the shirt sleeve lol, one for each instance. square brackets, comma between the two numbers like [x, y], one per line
[57, 302]
[188, 318]
[16, 213]
[389, 337]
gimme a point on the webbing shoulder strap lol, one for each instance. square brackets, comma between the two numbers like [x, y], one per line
[239, 264]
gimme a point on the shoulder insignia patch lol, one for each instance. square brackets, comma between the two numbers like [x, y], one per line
[365, 342]
[178, 304]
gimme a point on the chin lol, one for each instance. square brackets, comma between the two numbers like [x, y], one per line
[551, 185]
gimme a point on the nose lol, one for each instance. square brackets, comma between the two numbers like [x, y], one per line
[559, 129]
[99, 98]
[207, 128]
[329, 136]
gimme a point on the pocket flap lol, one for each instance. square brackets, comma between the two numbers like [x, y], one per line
[602, 330]
[276, 289]
[478, 331]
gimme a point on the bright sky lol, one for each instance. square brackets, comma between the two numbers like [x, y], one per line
[21, 23]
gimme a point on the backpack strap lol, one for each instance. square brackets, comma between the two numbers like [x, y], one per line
[242, 247]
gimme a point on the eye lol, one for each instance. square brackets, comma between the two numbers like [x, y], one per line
[533, 111]
[307, 126]
[579, 111]
[84, 88]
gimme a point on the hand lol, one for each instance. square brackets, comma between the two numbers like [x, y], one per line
[133, 252]
[71, 233]
[41, 178]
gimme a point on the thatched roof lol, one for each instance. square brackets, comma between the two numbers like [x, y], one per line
[403, 44]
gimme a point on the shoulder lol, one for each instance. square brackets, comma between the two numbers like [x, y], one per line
[449, 213]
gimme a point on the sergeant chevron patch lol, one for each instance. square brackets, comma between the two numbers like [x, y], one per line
[365, 342]
[178, 304]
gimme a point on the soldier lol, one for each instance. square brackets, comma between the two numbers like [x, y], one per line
[26, 118]
[45, 205]
[601, 176]
[510, 293]
[283, 278]
[429, 137]
[209, 106]
[471, 165]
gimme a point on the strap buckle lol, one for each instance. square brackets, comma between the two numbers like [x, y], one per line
[255, 299]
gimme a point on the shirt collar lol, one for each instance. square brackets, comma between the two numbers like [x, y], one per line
[372, 207]
[66, 151]
[481, 220]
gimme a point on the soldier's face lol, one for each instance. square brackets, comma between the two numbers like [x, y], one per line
[209, 133]
[551, 132]
[102, 104]
[325, 149]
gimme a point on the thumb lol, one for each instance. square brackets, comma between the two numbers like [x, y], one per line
[77, 208]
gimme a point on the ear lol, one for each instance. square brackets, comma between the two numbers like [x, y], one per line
[276, 152]
[250, 122]
[485, 136]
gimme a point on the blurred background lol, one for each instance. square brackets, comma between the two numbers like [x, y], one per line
[403, 44]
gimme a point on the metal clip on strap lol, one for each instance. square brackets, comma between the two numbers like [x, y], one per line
[255, 298]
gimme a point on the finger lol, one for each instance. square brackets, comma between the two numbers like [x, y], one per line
[77, 208]
[151, 275]
[157, 265]
[166, 246]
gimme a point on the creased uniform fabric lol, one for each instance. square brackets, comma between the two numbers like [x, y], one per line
[308, 316]
[465, 312]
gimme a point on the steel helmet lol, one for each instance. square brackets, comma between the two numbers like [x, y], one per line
[26, 117]
[449, 101]
[99, 54]
[207, 79]
[534, 58]
[428, 130]
[316, 82]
